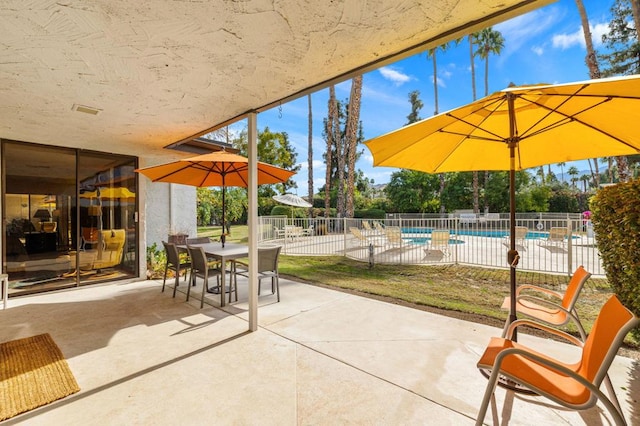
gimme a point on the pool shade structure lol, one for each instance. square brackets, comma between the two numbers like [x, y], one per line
[519, 128]
[219, 168]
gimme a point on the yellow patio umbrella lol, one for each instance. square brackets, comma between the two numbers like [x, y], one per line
[220, 168]
[518, 128]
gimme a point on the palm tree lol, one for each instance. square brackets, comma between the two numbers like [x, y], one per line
[353, 118]
[573, 172]
[594, 71]
[432, 54]
[310, 156]
[584, 178]
[488, 41]
[561, 165]
[331, 131]
[476, 189]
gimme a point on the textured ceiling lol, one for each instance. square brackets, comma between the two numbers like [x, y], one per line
[162, 71]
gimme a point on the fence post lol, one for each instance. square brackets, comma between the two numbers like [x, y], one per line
[570, 249]
[344, 236]
[455, 249]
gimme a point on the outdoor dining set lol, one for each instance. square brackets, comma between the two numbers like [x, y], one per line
[201, 258]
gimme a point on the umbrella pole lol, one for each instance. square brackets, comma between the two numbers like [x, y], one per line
[512, 257]
[222, 236]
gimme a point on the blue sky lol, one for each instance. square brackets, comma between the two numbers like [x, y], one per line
[543, 46]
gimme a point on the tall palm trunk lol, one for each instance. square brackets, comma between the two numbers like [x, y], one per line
[353, 119]
[594, 72]
[476, 187]
[331, 118]
[310, 157]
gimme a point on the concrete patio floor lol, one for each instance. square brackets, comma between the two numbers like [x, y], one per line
[319, 357]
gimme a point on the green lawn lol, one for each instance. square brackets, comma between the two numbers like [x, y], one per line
[464, 291]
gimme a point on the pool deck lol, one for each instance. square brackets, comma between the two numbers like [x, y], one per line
[319, 357]
[535, 253]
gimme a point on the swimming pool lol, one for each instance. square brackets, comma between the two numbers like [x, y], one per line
[426, 240]
[490, 233]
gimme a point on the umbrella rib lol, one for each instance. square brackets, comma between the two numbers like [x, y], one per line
[569, 118]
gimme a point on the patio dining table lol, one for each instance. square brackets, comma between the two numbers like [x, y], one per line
[222, 254]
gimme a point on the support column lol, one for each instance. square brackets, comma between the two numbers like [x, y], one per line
[252, 218]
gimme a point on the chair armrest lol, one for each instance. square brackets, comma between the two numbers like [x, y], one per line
[544, 302]
[538, 289]
[529, 323]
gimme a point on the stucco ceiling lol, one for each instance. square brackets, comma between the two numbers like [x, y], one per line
[162, 71]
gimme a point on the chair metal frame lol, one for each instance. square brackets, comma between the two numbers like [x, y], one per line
[575, 386]
[440, 241]
[173, 263]
[557, 309]
[200, 267]
[268, 258]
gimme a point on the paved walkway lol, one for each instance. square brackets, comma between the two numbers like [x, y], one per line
[320, 357]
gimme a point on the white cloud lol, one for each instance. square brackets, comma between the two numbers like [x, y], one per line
[521, 30]
[398, 78]
[538, 50]
[568, 40]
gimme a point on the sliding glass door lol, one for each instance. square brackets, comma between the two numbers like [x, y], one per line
[69, 217]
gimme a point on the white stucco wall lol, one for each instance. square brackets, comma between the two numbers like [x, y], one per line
[168, 209]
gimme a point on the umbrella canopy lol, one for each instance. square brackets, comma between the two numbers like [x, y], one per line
[519, 128]
[219, 168]
[109, 193]
[292, 200]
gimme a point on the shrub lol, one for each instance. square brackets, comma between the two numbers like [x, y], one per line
[156, 260]
[369, 214]
[281, 211]
[616, 222]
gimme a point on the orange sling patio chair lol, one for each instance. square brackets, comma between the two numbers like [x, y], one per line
[572, 385]
[556, 309]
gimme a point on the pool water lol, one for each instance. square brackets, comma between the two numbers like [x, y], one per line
[426, 240]
[495, 233]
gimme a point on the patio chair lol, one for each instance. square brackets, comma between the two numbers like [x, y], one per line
[439, 241]
[572, 385]
[174, 264]
[198, 240]
[555, 309]
[200, 268]
[378, 226]
[267, 268]
[366, 226]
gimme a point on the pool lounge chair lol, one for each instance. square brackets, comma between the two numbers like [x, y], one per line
[557, 238]
[363, 239]
[521, 237]
[394, 236]
[439, 241]
[574, 385]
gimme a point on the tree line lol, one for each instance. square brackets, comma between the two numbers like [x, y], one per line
[347, 189]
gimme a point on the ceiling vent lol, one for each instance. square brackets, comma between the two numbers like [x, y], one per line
[86, 109]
